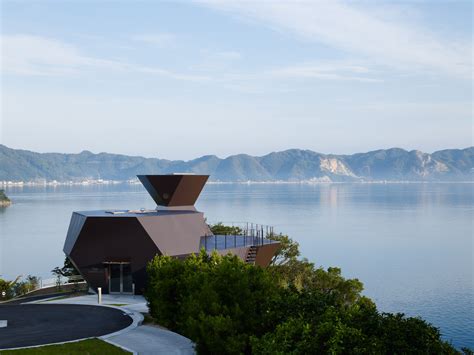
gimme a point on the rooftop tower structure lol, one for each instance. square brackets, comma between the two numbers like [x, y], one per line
[111, 248]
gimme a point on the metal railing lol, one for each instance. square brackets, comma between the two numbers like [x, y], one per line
[54, 281]
[242, 234]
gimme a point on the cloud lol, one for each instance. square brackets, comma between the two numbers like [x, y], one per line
[158, 39]
[38, 56]
[358, 32]
[330, 71]
[33, 55]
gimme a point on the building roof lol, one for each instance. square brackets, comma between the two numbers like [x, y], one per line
[134, 213]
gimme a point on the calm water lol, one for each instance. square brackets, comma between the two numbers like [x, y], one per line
[411, 244]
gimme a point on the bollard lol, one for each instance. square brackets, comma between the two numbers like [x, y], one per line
[99, 295]
[133, 290]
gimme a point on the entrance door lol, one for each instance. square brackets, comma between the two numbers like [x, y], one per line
[127, 278]
[120, 278]
[115, 276]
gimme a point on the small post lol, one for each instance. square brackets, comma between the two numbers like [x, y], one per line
[133, 289]
[99, 295]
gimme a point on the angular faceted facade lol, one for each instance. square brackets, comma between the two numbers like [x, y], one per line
[112, 248]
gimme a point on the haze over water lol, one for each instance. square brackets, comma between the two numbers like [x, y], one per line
[410, 244]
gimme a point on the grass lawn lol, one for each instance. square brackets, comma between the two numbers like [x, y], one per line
[117, 304]
[57, 298]
[84, 347]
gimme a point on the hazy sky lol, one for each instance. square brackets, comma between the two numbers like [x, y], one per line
[180, 80]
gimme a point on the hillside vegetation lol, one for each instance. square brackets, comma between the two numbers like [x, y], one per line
[290, 165]
[292, 307]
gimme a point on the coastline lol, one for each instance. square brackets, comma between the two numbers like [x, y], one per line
[86, 182]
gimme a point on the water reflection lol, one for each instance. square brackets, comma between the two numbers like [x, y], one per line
[411, 244]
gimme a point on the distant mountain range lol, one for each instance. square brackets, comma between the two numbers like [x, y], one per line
[290, 165]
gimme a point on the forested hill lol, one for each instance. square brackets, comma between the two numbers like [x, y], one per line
[290, 165]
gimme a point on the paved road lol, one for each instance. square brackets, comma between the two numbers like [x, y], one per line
[27, 299]
[36, 324]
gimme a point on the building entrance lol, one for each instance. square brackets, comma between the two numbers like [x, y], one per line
[120, 278]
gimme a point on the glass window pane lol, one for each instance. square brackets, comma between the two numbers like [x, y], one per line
[114, 277]
[127, 278]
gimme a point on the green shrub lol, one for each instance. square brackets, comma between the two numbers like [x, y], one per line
[229, 307]
[218, 301]
[221, 229]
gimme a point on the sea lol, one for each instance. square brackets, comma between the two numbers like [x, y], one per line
[411, 244]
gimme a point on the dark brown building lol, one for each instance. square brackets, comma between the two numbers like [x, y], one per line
[111, 248]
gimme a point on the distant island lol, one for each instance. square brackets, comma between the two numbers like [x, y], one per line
[294, 165]
[4, 200]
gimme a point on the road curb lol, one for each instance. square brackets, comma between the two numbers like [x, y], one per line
[137, 320]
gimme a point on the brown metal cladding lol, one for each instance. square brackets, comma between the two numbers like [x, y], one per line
[75, 227]
[265, 254]
[239, 252]
[176, 234]
[104, 239]
[174, 190]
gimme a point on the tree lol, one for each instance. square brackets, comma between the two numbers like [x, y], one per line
[68, 269]
[30, 283]
[292, 307]
[221, 229]
[218, 301]
[7, 288]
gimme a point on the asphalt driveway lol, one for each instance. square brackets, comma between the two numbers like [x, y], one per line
[37, 324]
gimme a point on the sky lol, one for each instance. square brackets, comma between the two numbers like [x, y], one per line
[179, 80]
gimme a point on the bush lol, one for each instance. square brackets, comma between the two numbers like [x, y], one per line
[229, 307]
[30, 283]
[218, 301]
[6, 290]
[221, 229]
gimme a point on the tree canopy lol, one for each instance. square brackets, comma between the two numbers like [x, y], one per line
[292, 307]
